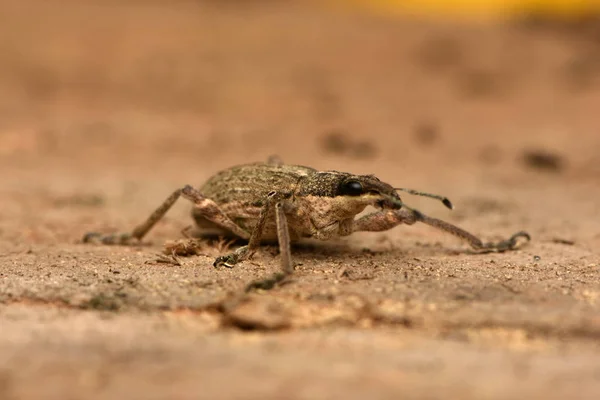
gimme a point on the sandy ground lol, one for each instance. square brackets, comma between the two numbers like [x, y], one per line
[107, 107]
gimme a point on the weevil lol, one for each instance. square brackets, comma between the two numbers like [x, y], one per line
[270, 201]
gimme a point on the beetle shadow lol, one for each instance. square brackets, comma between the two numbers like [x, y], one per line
[305, 248]
[318, 249]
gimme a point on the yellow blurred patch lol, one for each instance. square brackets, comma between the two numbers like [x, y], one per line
[481, 8]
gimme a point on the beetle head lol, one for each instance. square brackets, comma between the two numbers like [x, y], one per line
[358, 190]
[369, 190]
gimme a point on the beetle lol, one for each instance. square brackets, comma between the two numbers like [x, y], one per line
[268, 201]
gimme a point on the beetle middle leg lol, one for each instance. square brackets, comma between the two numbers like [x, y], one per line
[384, 220]
[205, 206]
[275, 200]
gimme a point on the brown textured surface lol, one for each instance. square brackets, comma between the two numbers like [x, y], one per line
[107, 107]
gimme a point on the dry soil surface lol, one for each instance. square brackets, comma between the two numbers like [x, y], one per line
[107, 107]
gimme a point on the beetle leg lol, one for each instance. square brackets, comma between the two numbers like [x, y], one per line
[283, 237]
[274, 200]
[384, 220]
[207, 208]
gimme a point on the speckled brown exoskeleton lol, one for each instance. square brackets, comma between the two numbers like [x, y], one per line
[273, 201]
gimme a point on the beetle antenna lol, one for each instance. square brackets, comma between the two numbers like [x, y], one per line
[443, 199]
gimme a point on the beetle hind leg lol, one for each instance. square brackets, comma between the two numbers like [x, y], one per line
[139, 231]
[203, 206]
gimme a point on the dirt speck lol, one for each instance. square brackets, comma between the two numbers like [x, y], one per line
[427, 133]
[340, 143]
[543, 160]
[258, 313]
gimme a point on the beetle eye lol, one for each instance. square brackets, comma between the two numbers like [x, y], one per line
[352, 188]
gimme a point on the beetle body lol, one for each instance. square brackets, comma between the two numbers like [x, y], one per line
[318, 204]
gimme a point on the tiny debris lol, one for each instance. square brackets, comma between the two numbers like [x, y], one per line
[439, 53]
[388, 318]
[254, 313]
[543, 160]
[581, 72]
[368, 251]
[183, 247]
[335, 142]
[167, 259]
[101, 302]
[80, 200]
[563, 241]
[510, 288]
[480, 83]
[537, 258]
[426, 133]
[277, 279]
[339, 143]
[490, 155]
[363, 149]
[344, 272]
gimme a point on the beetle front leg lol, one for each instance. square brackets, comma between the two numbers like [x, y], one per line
[384, 220]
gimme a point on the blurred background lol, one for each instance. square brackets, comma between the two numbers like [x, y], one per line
[491, 9]
[427, 94]
[251, 77]
[108, 106]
